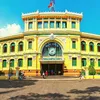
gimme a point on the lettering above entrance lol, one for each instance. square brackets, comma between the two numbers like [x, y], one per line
[52, 49]
[52, 59]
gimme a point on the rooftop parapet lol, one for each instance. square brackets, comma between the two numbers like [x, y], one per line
[66, 13]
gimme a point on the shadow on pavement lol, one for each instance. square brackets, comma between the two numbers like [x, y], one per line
[4, 92]
[16, 84]
[33, 96]
[86, 94]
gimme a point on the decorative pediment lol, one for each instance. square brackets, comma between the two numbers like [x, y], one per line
[52, 37]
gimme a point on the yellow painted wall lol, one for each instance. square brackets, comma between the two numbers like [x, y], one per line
[35, 24]
[35, 52]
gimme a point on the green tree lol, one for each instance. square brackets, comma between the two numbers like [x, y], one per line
[92, 70]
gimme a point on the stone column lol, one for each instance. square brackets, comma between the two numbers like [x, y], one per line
[86, 71]
[17, 72]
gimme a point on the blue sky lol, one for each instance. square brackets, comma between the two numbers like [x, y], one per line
[11, 10]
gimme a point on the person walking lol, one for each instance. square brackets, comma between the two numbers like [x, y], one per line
[46, 73]
[43, 74]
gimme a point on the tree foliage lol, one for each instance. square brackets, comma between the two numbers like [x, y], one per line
[92, 70]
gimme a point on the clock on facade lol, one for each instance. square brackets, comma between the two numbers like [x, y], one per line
[52, 51]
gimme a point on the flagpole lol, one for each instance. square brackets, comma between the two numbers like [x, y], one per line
[51, 5]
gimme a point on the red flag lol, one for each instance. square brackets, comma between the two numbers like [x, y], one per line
[50, 5]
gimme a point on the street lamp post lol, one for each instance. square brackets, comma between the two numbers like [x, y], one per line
[17, 68]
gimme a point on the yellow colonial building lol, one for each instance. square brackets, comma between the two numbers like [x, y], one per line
[51, 42]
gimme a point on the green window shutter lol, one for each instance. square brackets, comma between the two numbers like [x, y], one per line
[51, 24]
[92, 62]
[20, 62]
[73, 24]
[58, 24]
[45, 24]
[98, 62]
[30, 45]
[29, 61]
[64, 24]
[4, 63]
[12, 63]
[84, 46]
[74, 62]
[91, 46]
[30, 24]
[73, 44]
[39, 25]
[83, 62]
[98, 47]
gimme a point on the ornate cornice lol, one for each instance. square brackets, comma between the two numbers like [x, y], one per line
[57, 14]
[11, 37]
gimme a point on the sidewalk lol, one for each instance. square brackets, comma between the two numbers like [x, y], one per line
[56, 78]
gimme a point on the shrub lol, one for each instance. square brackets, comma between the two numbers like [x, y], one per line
[6, 78]
[92, 70]
[98, 73]
[2, 73]
[3, 78]
[83, 72]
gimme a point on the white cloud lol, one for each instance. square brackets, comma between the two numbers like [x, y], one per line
[10, 29]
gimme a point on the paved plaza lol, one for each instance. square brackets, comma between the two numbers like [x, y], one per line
[50, 90]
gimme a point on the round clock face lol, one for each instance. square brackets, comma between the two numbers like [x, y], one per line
[52, 51]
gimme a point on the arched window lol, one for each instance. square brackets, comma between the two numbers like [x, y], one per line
[98, 62]
[12, 63]
[83, 45]
[29, 62]
[4, 63]
[98, 47]
[83, 61]
[5, 48]
[52, 49]
[91, 45]
[20, 62]
[20, 46]
[92, 62]
[12, 47]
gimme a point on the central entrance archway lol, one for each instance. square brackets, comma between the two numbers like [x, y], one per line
[53, 69]
[52, 60]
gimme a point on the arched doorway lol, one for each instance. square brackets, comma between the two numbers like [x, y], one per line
[52, 58]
